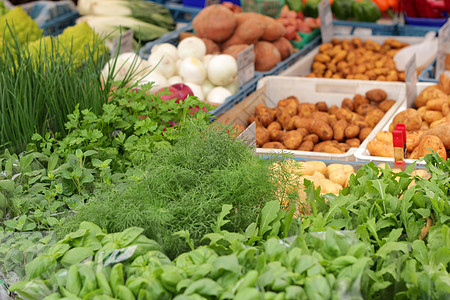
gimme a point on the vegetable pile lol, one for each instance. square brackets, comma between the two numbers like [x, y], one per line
[427, 126]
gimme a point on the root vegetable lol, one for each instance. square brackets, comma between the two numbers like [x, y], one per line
[267, 56]
[215, 22]
[222, 69]
[218, 95]
[191, 47]
[192, 70]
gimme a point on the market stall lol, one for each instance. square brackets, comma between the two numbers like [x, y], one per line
[248, 149]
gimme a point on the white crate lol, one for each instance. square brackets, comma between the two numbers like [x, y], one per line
[363, 155]
[303, 66]
[271, 89]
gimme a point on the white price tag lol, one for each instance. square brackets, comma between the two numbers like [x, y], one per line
[126, 42]
[248, 136]
[411, 81]
[246, 65]
[443, 48]
[326, 21]
[211, 2]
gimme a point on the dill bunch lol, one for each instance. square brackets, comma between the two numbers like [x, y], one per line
[184, 189]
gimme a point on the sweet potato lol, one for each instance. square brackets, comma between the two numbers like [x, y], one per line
[273, 30]
[266, 56]
[428, 143]
[377, 148]
[235, 50]
[215, 22]
[410, 118]
[248, 32]
[211, 47]
[284, 47]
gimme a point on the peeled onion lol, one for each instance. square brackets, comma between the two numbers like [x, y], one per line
[192, 70]
[222, 69]
[175, 79]
[191, 47]
[196, 89]
[207, 86]
[159, 81]
[162, 63]
[167, 49]
[218, 95]
[125, 63]
[232, 87]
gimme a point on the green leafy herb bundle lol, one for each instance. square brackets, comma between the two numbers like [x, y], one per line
[184, 188]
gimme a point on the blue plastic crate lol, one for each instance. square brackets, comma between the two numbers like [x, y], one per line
[57, 25]
[381, 29]
[428, 74]
[433, 22]
[201, 3]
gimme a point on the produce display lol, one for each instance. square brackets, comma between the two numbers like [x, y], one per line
[116, 183]
[427, 126]
[3, 8]
[317, 127]
[357, 59]
[233, 32]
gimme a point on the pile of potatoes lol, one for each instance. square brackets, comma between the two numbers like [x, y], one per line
[428, 126]
[355, 59]
[317, 127]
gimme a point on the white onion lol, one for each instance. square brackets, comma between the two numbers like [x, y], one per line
[192, 70]
[177, 65]
[125, 63]
[175, 79]
[191, 47]
[163, 64]
[222, 69]
[218, 95]
[232, 87]
[207, 86]
[207, 59]
[167, 49]
[159, 81]
[196, 89]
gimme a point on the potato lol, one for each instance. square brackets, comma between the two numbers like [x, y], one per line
[320, 115]
[327, 147]
[292, 139]
[353, 143]
[238, 129]
[347, 103]
[364, 132]
[376, 95]
[274, 126]
[410, 117]
[442, 131]
[303, 131]
[322, 106]
[374, 116]
[444, 83]
[332, 119]
[364, 109]
[211, 47]
[436, 104]
[438, 122]
[312, 137]
[429, 142]
[255, 119]
[333, 109]
[344, 114]
[284, 118]
[412, 139]
[306, 109]
[306, 146]
[274, 145]
[344, 147]
[377, 148]
[431, 92]
[432, 115]
[290, 104]
[339, 130]
[322, 129]
[386, 105]
[262, 135]
[359, 99]
[310, 167]
[351, 131]
[385, 137]
[267, 56]
[322, 58]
